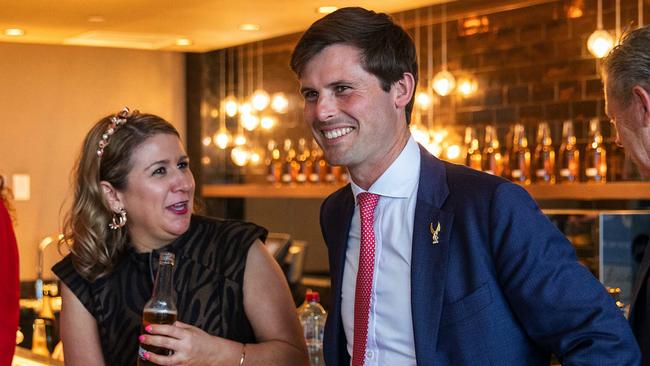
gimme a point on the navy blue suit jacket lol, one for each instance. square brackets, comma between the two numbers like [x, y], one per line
[501, 287]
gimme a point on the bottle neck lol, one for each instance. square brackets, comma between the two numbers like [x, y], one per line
[163, 292]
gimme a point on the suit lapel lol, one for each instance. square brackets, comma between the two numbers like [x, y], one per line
[341, 229]
[429, 259]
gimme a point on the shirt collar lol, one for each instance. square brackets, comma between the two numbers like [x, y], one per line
[401, 177]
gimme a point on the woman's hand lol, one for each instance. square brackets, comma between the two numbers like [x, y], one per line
[191, 345]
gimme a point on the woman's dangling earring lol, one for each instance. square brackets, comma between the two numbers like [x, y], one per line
[119, 220]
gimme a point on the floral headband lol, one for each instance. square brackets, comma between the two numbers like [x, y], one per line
[116, 121]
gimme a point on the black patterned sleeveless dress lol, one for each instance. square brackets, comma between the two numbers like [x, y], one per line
[208, 281]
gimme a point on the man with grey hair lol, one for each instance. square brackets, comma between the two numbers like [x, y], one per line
[626, 77]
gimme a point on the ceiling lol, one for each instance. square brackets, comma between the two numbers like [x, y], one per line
[157, 24]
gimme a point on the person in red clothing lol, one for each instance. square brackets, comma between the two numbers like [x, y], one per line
[9, 280]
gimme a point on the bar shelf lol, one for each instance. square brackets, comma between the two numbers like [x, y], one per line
[575, 191]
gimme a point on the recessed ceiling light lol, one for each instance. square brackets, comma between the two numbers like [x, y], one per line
[14, 32]
[327, 9]
[249, 27]
[96, 19]
[183, 42]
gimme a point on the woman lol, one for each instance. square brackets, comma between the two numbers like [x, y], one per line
[10, 283]
[134, 198]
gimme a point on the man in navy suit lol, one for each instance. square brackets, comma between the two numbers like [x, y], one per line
[626, 76]
[450, 266]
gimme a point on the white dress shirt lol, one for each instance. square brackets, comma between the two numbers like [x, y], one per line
[390, 325]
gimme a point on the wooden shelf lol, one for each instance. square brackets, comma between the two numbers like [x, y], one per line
[576, 191]
[264, 190]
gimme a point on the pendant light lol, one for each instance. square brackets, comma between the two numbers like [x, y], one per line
[240, 154]
[230, 103]
[222, 138]
[260, 98]
[248, 119]
[600, 41]
[444, 82]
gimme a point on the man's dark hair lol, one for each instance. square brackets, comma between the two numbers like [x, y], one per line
[387, 51]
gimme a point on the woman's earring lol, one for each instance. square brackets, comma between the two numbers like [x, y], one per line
[119, 220]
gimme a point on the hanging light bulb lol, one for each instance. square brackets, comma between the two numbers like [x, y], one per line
[444, 82]
[249, 121]
[256, 156]
[240, 156]
[267, 122]
[222, 138]
[260, 99]
[245, 108]
[423, 99]
[230, 105]
[279, 102]
[206, 141]
[467, 86]
[600, 41]
[240, 140]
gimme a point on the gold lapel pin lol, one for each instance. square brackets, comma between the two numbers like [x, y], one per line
[434, 232]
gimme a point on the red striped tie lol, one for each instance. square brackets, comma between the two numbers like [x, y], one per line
[367, 203]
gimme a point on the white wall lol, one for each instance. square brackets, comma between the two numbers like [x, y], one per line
[49, 98]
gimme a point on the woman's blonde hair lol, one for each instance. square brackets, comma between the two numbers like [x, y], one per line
[94, 247]
[6, 195]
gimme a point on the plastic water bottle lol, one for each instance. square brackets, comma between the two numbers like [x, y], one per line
[312, 317]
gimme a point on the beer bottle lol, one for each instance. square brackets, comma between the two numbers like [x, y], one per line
[520, 156]
[273, 162]
[491, 152]
[473, 155]
[302, 159]
[289, 155]
[595, 155]
[161, 308]
[544, 157]
[569, 164]
[317, 163]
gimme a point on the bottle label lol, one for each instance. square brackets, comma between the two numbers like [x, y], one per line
[313, 178]
[541, 173]
[301, 178]
[286, 178]
[516, 173]
[591, 172]
[564, 172]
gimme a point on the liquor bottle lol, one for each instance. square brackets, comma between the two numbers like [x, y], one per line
[544, 157]
[302, 159]
[569, 159]
[505, 153]
[520, 156]
[161, 308]
[39, 338]
[273, 162]
[595, 155]
[616, 164]
[473, 155]
[289, 155]
[491, 152]
[317, 163]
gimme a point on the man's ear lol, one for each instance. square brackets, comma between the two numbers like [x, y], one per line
[642, 97]
[112, 196]
[404, 89]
